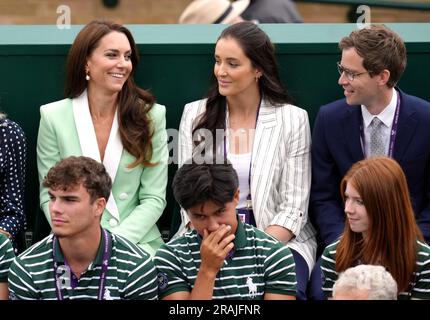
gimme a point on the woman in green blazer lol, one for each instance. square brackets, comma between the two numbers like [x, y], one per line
[108, 118]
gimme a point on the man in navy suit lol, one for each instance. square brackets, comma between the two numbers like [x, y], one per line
[372, 63]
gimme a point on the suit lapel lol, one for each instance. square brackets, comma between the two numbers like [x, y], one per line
[263, 150]
[85, 128]
[406, 127]
[111, 161]
[351, 132]
[89, 146]
[113, 149]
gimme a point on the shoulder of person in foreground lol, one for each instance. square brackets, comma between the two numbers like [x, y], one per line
[7, 256]
[56, 108]
[328, 268]
[169, 261]
[279, 266]
[141, 282]
[37, 258]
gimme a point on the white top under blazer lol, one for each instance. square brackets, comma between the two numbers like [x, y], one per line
[280, 172]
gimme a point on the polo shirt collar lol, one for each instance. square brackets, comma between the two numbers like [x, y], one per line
[240, 239]
[59, 257]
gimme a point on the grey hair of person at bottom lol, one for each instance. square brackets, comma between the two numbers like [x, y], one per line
[375, 279]
[197, 183]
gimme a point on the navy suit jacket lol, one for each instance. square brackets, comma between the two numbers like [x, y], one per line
[336, 146]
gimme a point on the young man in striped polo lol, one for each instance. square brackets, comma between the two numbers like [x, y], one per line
[222, 258]
[80, 260]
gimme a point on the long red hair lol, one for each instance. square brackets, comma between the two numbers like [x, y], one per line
[392, 236]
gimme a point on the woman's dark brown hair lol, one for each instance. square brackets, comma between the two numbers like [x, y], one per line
[257, 46]
[134, 103]
[392, 236]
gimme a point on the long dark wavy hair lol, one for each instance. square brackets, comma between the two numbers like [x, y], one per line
[257, 46]
[134, 103]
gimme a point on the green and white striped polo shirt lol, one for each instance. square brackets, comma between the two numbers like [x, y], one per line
[130, 275]
[259, 265]
[420, 286]
[6, 257]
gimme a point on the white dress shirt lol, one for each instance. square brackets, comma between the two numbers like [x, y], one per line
[387, 118]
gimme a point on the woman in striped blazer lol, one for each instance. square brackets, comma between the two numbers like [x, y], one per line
[264, 136]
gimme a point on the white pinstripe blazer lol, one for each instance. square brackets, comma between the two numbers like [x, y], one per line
[280, 172]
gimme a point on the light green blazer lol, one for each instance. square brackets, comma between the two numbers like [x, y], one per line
[139, 193]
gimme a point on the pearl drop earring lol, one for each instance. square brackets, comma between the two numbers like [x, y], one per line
[87, 77]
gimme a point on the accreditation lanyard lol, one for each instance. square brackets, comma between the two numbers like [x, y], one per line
[393, 133]
[248, 198]
[104, 268]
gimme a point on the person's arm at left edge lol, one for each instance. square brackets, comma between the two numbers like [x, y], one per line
[6, 258]
[152, 191]
[12, 218]
[296, 180]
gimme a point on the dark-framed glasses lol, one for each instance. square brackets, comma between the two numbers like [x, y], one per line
[349, 75]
